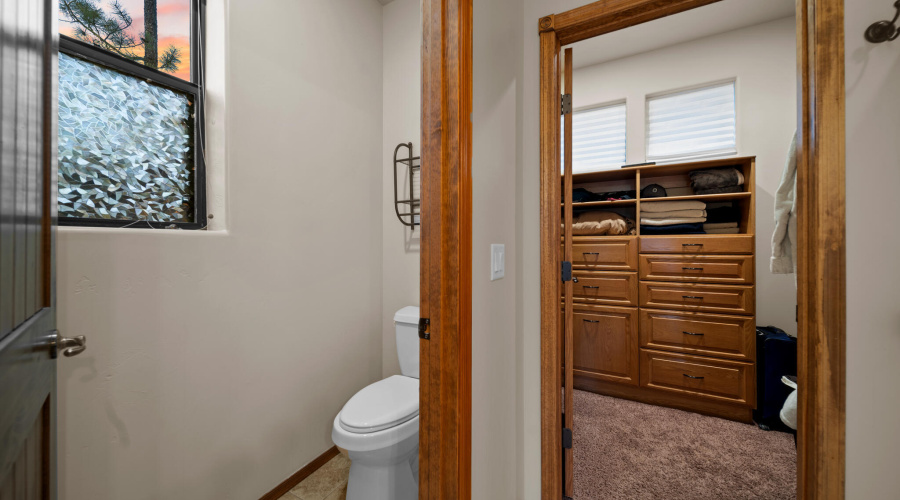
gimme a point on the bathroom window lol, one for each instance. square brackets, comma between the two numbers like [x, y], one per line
[131, 114]
[598, 138]
[700, 121]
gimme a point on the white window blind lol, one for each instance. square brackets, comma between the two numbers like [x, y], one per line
[598, 138]
[696, 122]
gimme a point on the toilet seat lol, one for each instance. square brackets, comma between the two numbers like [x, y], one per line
[385, 404]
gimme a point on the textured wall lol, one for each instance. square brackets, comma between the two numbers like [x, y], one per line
[217, 360]
[402, 27]
[873, 243]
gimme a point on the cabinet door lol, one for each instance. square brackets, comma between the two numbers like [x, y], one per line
[606, 344]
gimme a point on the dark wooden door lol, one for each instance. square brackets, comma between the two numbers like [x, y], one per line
[28, 43]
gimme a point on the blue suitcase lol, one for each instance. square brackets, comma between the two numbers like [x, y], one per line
[776, 356]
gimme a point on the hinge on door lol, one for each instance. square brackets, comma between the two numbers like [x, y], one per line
[423, 328]
[566, 271]
[566, 103]
[797, 313]
[567, 438]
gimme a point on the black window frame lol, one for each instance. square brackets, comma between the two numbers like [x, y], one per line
[194, 88]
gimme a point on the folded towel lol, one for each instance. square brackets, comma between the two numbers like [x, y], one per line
[601, 216]
[669, 222]
[671, 206]
[720, 190]
[675, 229]
[674, 213]
[716, 177]
[719, 225]
[724, 230]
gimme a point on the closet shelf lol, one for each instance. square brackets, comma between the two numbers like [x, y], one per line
[701, 197]
[613, 203]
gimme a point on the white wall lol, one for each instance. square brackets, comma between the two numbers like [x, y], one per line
[402, 40]
[763, 60]
[217, 360]
[873, 243]
[496, 69]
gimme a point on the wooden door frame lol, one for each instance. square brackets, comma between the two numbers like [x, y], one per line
[445, 394]
[821, 294]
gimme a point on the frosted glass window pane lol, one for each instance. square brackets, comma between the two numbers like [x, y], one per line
[125, 146]
[598, 138]
[692, 123]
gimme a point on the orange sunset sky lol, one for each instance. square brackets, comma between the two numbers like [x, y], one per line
[173, 25]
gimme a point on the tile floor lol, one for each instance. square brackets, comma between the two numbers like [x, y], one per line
[327, 483]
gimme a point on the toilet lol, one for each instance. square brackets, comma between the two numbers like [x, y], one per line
[379, 425]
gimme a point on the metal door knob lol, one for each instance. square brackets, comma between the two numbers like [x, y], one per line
[71, 346]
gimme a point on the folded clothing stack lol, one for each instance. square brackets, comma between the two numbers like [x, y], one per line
[673, 217]
[598, 223]
[580, 195]
[717, 180]
[722, 218]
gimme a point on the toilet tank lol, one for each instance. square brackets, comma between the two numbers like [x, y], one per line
[406, 326]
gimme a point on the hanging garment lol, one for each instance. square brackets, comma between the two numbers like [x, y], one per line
[784, 239]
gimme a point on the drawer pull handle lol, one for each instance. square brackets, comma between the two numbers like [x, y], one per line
[589, 286]
[692, 244]
[692, 333]
[691, 297]
[590, 253]
[590, 320]
[692, 268]
[691, 376]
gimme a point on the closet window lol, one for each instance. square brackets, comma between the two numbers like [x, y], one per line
[691, 123]
[598, 138]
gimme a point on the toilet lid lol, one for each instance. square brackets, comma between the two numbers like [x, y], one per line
[382, 405]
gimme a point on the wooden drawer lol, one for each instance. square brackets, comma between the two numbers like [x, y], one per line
[610, 288]
[708, 378]
[694, 244]
[735, 299]
[605, 344]
[604, 253]
[732, 269]
[731, 337]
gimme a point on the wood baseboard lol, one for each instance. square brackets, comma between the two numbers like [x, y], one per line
[286, 485]
[661, 398]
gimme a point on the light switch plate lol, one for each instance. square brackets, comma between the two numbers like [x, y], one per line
[498, 261]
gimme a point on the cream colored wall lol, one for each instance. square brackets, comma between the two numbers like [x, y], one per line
[496, 68]
[402, 28]
[218, 359]
[763, 60]
[873, 243]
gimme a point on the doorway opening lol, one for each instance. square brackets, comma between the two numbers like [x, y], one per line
[665, 264]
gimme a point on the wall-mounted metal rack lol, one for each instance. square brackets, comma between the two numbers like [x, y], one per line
[407, 210]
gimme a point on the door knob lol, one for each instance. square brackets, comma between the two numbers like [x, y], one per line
[71, 346]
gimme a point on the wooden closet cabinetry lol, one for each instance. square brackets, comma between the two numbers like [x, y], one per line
[668, 320]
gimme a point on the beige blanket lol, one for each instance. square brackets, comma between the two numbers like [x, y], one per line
[674, 214]
[670, 206]
[668, 222]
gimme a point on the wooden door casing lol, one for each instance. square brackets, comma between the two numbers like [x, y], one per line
[28, 121]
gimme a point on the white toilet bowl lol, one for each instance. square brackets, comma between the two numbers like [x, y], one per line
[379, 428]
[379, 425]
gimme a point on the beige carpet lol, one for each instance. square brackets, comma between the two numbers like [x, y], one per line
[629, 450]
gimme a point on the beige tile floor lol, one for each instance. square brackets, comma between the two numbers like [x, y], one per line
[327, 483]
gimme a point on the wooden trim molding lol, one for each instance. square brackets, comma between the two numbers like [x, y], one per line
[821, 235]
[286, 485]
[445, 383]
[821, 265]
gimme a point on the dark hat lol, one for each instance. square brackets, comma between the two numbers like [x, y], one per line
[653, 191]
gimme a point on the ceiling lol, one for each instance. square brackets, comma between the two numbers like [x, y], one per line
[720, 17]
